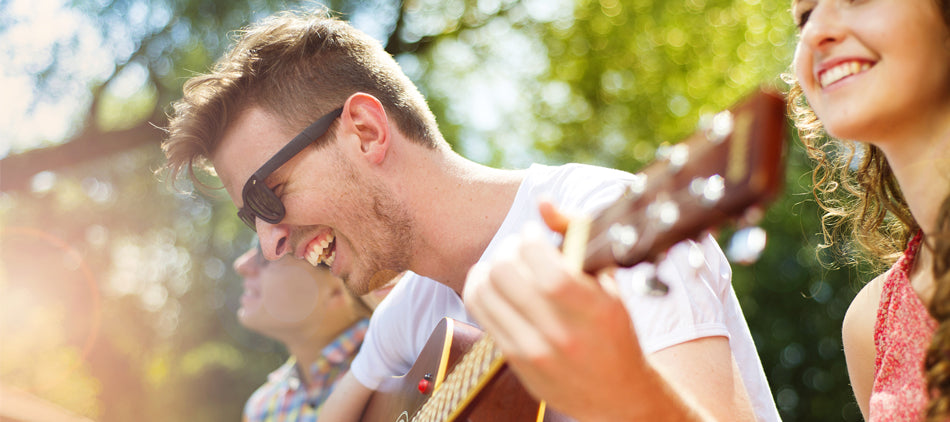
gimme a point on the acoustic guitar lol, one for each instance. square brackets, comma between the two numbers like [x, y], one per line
[733, 163]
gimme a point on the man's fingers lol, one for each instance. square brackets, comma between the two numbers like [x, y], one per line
[497, 314]
[552, 217]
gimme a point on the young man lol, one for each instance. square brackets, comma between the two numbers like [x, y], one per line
[320, 322]
[370, 188]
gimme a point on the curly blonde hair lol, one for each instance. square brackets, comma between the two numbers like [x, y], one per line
[937, 361]
[857, 190]
[866, 203]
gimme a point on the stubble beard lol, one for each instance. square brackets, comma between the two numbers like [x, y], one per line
[387, 240]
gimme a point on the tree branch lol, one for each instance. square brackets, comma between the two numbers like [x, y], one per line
[17, 170]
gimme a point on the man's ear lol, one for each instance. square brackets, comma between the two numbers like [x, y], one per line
[367, 119]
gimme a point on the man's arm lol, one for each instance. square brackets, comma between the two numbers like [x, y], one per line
[347, 402]
[581, 354]
[705, 372]
[572, 343]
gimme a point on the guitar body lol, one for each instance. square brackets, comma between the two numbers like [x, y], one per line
[503, 399]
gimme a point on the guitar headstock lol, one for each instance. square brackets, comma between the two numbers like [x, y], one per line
[733, 163]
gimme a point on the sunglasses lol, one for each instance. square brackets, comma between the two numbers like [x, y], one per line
[259, 200]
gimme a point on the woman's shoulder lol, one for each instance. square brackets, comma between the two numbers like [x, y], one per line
[857, 329]
[868, 299]
[857, 337]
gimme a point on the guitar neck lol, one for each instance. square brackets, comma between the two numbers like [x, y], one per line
[716, 175]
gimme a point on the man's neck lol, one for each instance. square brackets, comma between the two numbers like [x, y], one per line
[457, 206]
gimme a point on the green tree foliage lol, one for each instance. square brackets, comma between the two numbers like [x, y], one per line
[124, 287]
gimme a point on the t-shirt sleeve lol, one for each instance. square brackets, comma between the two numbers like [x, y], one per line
[400, 327]
[384, 350]
[369, 364]
[696, 272]
[698, 276]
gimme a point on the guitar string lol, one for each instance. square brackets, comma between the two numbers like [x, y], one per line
[461, 382]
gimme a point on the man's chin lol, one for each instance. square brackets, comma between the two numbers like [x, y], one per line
[379, 279]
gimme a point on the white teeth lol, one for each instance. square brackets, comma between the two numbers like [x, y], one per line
[842, 71]
[317, 255]
[313, 257]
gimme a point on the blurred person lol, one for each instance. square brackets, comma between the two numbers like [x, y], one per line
[315, 317]
[875, 76]
[367, 185]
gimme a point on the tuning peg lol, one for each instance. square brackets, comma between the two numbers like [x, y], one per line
[622, 238]
[636, 186]
[679, 156]
[664, 212]
[717, 127]
[655, 287]
[746, 245]
[752, 216]
[676, 155]
[708, 189]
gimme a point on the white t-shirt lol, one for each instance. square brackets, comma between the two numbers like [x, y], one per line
[700, 303]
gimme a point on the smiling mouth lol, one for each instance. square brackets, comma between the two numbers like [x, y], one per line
[842, 71]
[322, 251]
[251, 293]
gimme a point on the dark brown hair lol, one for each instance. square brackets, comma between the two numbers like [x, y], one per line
[937, 362]
[297, 66]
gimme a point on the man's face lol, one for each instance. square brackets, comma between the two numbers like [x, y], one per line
[337, 213]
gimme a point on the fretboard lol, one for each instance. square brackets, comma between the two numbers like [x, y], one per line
[461, 386]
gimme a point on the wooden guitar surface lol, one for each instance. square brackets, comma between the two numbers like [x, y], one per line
[502, 399]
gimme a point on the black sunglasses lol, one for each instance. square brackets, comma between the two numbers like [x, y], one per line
[259, 200]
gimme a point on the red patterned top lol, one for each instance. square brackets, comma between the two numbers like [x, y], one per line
[902, 334]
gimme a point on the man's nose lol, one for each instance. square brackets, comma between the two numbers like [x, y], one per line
[274, 239]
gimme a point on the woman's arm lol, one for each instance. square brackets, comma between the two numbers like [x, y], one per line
[857, 336]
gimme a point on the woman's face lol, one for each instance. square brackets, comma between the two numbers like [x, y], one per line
[873, 70]
[282, 295]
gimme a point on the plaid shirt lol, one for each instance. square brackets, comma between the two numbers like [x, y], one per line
[285, 398]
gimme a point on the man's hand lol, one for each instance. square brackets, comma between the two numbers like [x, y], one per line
[571, 342]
